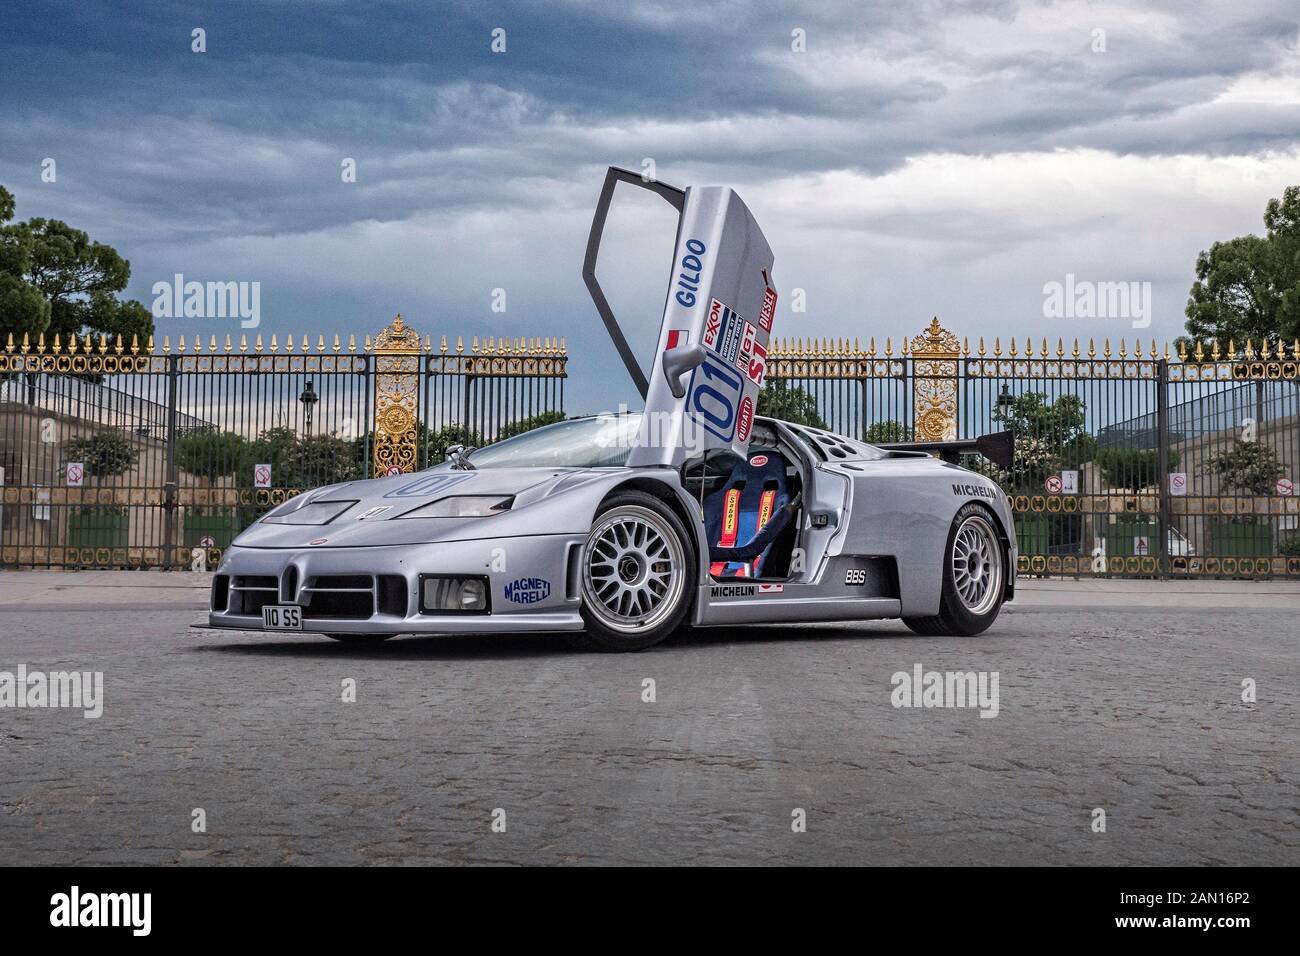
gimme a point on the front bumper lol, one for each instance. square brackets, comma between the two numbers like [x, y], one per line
[376, 590]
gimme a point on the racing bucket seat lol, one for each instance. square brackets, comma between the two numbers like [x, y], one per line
[745, 516]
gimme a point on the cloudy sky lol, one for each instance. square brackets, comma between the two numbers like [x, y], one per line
[913, 159]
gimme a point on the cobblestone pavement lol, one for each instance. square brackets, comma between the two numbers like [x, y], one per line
[1134, 710]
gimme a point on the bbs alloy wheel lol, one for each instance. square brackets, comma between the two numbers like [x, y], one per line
[637, 573]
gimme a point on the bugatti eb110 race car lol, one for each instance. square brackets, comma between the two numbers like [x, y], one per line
[623, 527]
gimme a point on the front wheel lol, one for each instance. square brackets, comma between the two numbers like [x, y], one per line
[974, 577]
[638, 573]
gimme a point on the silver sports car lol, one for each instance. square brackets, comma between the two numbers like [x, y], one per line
[622, 528]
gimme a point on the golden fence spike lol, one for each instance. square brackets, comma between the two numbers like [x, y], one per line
[1214, 351]
[474, 344]
[103, 343]
[1232, 349]
[1295, 349]
[444, 344]
[243, 343]
[562, 349]
[306, 345]
[965, 346]
[1123, 351]
[198, 344]
[1154, 350]
[167, 345]
[1092, 348]
[149, 345]
[871, 346]
[10, 346]
[1200, 351]
[857, 345]
[1106, 350]
[997, 346]
[904, 346]
[212, 346]
[889, 349]
[180, 344]
[337, 345]
[258, 346]
[228, 345]
[320, 343]
[1182, 351]
[352, 342]
[1263, 352]
[1060, 347]
[367, 343]
[40, 344]
[26, 343]
[275, 343]
[288, 342]
[1012, 350]
[1075, 352]
[58, 344]
[428, 344]
[1166, 351]
[135, 344]
[117, 346]
[460, 344]
[981, 351]
[1044, 354]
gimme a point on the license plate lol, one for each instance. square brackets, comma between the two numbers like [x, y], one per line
[282, 617]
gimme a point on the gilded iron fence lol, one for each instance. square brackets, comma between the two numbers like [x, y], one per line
[1129, 461]
[118, 455]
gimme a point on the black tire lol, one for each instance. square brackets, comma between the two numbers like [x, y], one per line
[614, 579]
[359, 638]
[960, 614]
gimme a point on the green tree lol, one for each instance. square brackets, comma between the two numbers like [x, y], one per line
[1047, 437]
[789, 403]
[1249, 287]
[1248, 467]
[1133, 468]
[55, 280]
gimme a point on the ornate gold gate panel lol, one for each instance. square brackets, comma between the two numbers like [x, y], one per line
[934, 386]
[397, 354]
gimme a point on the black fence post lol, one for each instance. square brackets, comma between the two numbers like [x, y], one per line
[169, 482]
[1162, 466]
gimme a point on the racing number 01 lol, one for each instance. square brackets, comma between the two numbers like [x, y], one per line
[714, 392]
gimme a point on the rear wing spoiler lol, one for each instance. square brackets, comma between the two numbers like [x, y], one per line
[998, 447]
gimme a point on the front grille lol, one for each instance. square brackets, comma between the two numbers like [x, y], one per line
[248, 593]
[336, 597]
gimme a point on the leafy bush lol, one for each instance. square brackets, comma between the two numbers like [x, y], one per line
[104, 454]
[1132, 468]
[209, 454]
[1248, 468]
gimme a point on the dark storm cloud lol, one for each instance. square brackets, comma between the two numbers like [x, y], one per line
[192, 162]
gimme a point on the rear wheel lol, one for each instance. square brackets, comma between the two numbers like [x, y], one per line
[638, 573]
[974, 577]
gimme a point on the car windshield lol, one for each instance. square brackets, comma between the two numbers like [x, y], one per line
[599, 442]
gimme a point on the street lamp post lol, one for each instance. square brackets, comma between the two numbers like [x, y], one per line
[309, 398]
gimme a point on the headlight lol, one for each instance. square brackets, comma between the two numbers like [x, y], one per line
[451, 595]
[463, 506]
[311, 512]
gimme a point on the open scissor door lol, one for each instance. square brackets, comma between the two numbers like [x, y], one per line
[702, 390]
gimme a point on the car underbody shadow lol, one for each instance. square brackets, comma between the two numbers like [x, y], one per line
[510, 646]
